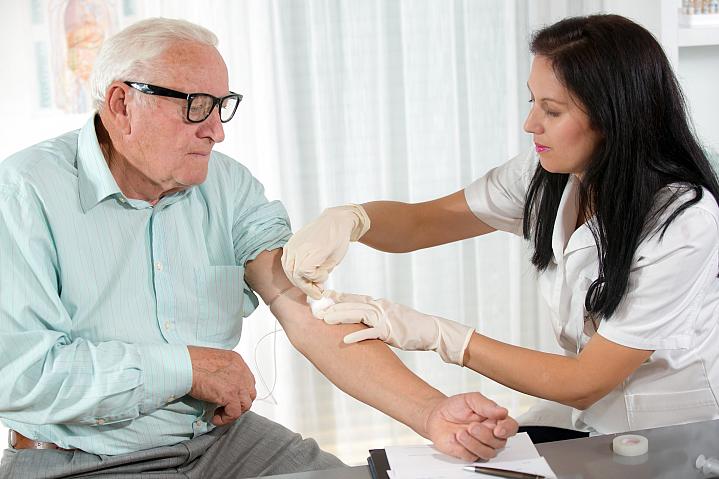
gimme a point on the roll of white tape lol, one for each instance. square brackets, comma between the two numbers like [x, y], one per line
[630, 445]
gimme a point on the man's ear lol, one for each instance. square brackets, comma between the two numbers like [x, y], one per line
[116, 101]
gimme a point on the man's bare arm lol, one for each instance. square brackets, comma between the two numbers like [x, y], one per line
[372, 373]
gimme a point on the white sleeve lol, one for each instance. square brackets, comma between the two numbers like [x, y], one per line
[497, 198]
[668, 283]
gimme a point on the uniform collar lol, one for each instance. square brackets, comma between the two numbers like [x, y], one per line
[565, 239]
[95, 181]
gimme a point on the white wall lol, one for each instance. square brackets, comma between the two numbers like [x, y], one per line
[699, 76]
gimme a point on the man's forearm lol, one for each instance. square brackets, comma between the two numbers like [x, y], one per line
[368, 371]
[75, 382]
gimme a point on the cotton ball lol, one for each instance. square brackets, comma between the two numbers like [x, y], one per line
[319, 305]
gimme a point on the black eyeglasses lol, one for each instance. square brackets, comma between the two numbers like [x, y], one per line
[199, 105]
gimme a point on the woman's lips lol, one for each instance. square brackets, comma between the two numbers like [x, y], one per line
[541, 148]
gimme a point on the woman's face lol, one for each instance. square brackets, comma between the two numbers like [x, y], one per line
[562, 134]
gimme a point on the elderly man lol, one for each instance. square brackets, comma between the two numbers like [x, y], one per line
[130, 254]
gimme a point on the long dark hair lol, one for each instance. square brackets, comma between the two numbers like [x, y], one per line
[620, 75]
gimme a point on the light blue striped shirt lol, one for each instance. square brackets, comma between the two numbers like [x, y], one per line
[100, 294]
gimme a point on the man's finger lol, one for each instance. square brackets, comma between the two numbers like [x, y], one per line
[245, 401]
[253, 392]
[485, 435]
[223, 417]
[485, 407]
[506, 428]
[233, 409]
[474, 446]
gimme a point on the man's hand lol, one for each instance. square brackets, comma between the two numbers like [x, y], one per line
[222, 377]
[469, 426]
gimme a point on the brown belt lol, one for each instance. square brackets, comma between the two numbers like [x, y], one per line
[18, 441]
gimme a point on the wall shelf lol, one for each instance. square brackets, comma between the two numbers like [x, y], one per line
[697, 36]
[691, 42]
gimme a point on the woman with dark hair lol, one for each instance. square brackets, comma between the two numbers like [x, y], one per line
[620, 204]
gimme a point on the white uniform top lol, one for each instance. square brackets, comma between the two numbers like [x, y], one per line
[670, 305]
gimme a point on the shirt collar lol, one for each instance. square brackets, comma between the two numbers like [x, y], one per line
[95, 181]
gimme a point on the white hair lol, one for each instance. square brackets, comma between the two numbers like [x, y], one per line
[132, 51]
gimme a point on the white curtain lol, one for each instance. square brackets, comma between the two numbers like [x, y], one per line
[352, 101]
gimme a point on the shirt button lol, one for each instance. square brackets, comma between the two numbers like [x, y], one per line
[198, 423]
[100, 422]
[168, 325]
[158, 265]
[122, 200]
[171, 398]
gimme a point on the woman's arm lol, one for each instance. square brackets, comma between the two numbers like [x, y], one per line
[577, 382]
[402, 227]
[314, 251]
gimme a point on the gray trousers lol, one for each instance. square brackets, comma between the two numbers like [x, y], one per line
[253, 446]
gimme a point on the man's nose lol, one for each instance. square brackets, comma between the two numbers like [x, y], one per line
[212, 127]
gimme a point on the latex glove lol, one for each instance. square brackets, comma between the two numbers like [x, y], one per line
[398, 325]
[313, 252]
[469, 426]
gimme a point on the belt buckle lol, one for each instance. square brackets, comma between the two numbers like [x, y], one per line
[11, 438]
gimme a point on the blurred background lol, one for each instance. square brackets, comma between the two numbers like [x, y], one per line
[352, 101]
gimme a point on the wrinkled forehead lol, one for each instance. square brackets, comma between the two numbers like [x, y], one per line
[191, 67]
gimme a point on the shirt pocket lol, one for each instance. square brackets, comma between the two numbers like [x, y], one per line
[650, 410]
[220, 298]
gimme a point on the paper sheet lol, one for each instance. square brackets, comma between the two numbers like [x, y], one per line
[425, 462]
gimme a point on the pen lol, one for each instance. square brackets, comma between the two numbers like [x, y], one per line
[493, 471]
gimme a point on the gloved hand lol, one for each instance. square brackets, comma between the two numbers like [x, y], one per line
[398, 325]
[313, 252]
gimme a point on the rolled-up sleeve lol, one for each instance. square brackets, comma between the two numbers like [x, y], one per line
[258, 225]
[498, 197]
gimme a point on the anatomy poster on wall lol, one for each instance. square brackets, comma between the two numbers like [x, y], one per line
[68, 37]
